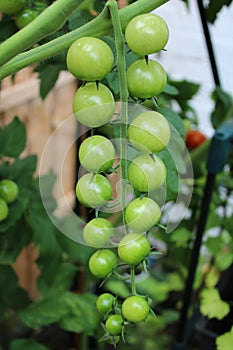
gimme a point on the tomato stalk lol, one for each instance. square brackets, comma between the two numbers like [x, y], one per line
[132, 276]
[51, 19]
[121, 66]
[99, 26]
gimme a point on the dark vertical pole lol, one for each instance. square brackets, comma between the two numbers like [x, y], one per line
[194, 257]
[208, 43]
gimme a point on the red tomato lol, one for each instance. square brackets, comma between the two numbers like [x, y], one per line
[194, 138]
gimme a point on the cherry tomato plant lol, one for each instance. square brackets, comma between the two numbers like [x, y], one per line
[108, 54]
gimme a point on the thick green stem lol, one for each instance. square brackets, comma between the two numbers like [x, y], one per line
[50, 20]
[121, 66]
[133, 285]
[99, 26]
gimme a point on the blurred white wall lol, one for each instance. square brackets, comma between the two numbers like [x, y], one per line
[187, 56]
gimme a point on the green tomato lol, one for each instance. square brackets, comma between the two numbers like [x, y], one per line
[114, 324]
[98, 232]
[104, 303]
[96, 154]
[147, 173]
[146, 34]
[93, 106]
[141, 214]
[4, 210]
[149, 132]
[93, 190]
[11, 7]
[146, 79]
[25, 16]
[89, 59]
[102, 262]
[133, 248]
[135, 309]
[8, 190]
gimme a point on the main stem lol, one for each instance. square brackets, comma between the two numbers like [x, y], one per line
[50, 20]
[121, 66]
[99, 26]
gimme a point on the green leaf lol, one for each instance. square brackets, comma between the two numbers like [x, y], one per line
[181, 236]
[170, 90]
[214, 244]
[7, 28]
[21, 170]
[214, 7]
[46, 183]
[117, 287]
[82, 315]
[12, 138]
[225, 341]
[186, 89]
[48, 75]
[16, 210]
[212, 306]
[174, 119]
[9, 251]
[73, 312]
[223, 107]
[26, 344]
[9, 289]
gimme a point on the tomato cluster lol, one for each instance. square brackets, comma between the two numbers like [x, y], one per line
[90, 59]
[24, 11]
[8, 194]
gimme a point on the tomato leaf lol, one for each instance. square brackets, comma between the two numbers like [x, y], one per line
[212, 305]
[214, 7]
[48, 75]
[223, 107]
[12, 138]
[9, 289]
[174, 119]
[225, 341]
[26, 344]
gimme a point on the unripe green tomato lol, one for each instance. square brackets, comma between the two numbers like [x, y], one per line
[98, 232]
[114, 324]
[25, 16]
[4, 211]
[8, 190]
[93, 106]
[93, 190]
[102, 262]
[133, 248]
[146, 34]
[104, 303]
[11, 7]
[146, 79]
[149, 132]
[135, 309]
[147, 173]
[89, 59]
[96, 154]
[141, 214]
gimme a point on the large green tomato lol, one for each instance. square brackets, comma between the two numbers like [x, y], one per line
[135, 309]
[147, 173]
[11, 7]
[102, 262]
[93, 190]
[146, 34]
[149, 132]
[133, 248]
[89, 59]
[93, 106]
[146, 79]
[141, 214]
[8, 190]
[98, 232]
[4, 211]
[96, 154]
